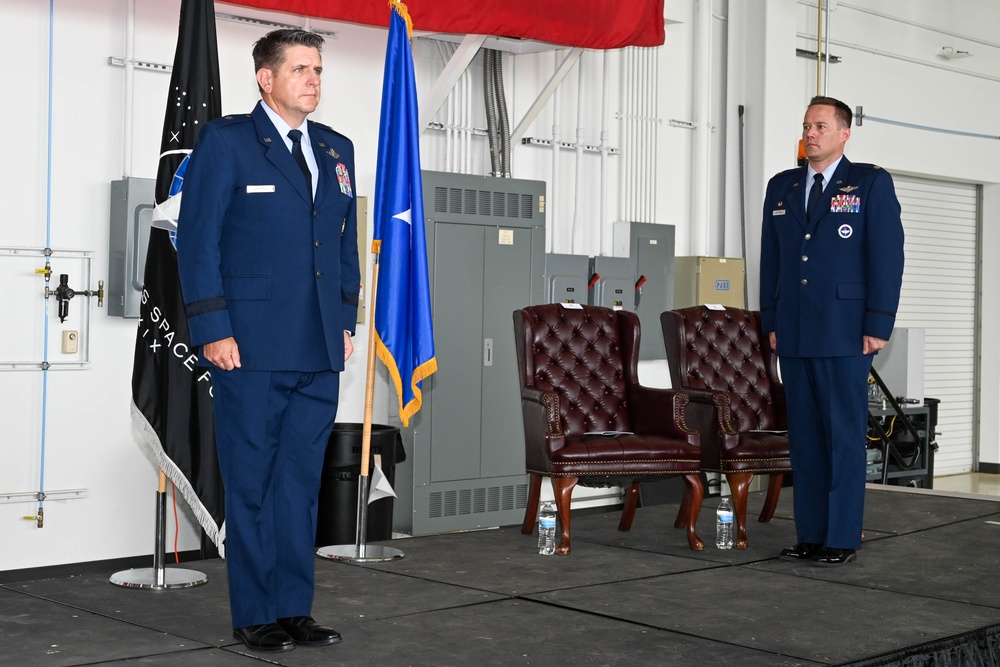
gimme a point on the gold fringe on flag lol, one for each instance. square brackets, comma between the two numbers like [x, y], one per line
[405, 13]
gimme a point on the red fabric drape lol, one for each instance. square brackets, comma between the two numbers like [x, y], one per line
[594, 24]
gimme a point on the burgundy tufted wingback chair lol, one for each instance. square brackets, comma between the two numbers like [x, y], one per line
[578, 372]
[722, 359]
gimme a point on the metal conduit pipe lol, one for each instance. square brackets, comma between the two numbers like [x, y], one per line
[501, 102]
[491, 119]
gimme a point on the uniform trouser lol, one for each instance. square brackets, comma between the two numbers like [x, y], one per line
[272, 430]
[827, 399]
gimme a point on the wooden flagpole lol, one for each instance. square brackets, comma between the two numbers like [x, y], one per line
[360, 551]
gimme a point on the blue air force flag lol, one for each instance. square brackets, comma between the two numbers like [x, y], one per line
[403, 329]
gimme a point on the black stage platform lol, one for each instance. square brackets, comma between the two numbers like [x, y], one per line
[924, 591]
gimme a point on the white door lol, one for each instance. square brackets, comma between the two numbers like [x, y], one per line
[940, 220]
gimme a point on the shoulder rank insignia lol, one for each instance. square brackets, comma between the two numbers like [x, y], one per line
[849, 188]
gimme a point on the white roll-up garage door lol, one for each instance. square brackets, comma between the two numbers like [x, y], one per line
[940, 220]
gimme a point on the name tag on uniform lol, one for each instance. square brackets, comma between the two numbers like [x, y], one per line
[254, 189]
[779, 211]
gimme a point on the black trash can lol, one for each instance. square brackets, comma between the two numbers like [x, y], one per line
[337, 521]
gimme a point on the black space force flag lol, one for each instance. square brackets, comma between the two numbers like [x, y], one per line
[171, 394]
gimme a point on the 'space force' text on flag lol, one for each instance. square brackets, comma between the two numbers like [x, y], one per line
[171, 395]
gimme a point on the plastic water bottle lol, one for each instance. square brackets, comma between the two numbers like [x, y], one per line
[724, 525]
[547, 528]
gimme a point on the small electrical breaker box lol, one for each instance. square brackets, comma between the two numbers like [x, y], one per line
[612, 282]
[132, 203]
[566, 278]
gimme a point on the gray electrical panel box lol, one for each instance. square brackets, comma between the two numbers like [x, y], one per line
[651, 246]
[566, 278]
[486, 259]
[132, 202]
[612, 282]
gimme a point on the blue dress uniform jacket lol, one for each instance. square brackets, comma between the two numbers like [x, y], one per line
[258, 260]
[825, 285]
[263, 262]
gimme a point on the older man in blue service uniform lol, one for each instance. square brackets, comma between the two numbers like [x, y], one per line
[268, 262]
[831, 267]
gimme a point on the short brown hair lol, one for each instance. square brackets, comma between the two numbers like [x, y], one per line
[840, 110]
[269, 50]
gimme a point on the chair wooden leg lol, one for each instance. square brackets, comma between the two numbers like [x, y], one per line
[739, 484]
[771, 500]
[531, 509]
[694, 491]
[682, 513]
[563, 489]
[628, 512]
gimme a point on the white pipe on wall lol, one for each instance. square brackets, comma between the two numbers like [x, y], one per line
[128, 121]
[623, 95]
[634, 145]
[449, 124]
[551, 213]
[578, 187]
[467, 122]
[700, 182]
[649, 148]
[640, 135]
[604, 224]
[654, 120]
[826, 51]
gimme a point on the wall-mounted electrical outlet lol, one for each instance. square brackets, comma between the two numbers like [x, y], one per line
[70, 342]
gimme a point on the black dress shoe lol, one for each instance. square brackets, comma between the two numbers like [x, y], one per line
[827, 557]
[304, 630]
[267, 637]
[803, 551]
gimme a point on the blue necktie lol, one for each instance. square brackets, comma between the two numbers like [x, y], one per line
[815, 193]
[300, 158]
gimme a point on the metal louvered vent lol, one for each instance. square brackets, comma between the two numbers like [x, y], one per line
[527, 206]
[484, 203]
[478, 500]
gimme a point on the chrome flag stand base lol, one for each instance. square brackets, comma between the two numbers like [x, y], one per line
[158, 577]
[361, 552]
[150, 577]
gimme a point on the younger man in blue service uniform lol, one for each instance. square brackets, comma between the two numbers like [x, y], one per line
[831, 267]
[268, 262]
